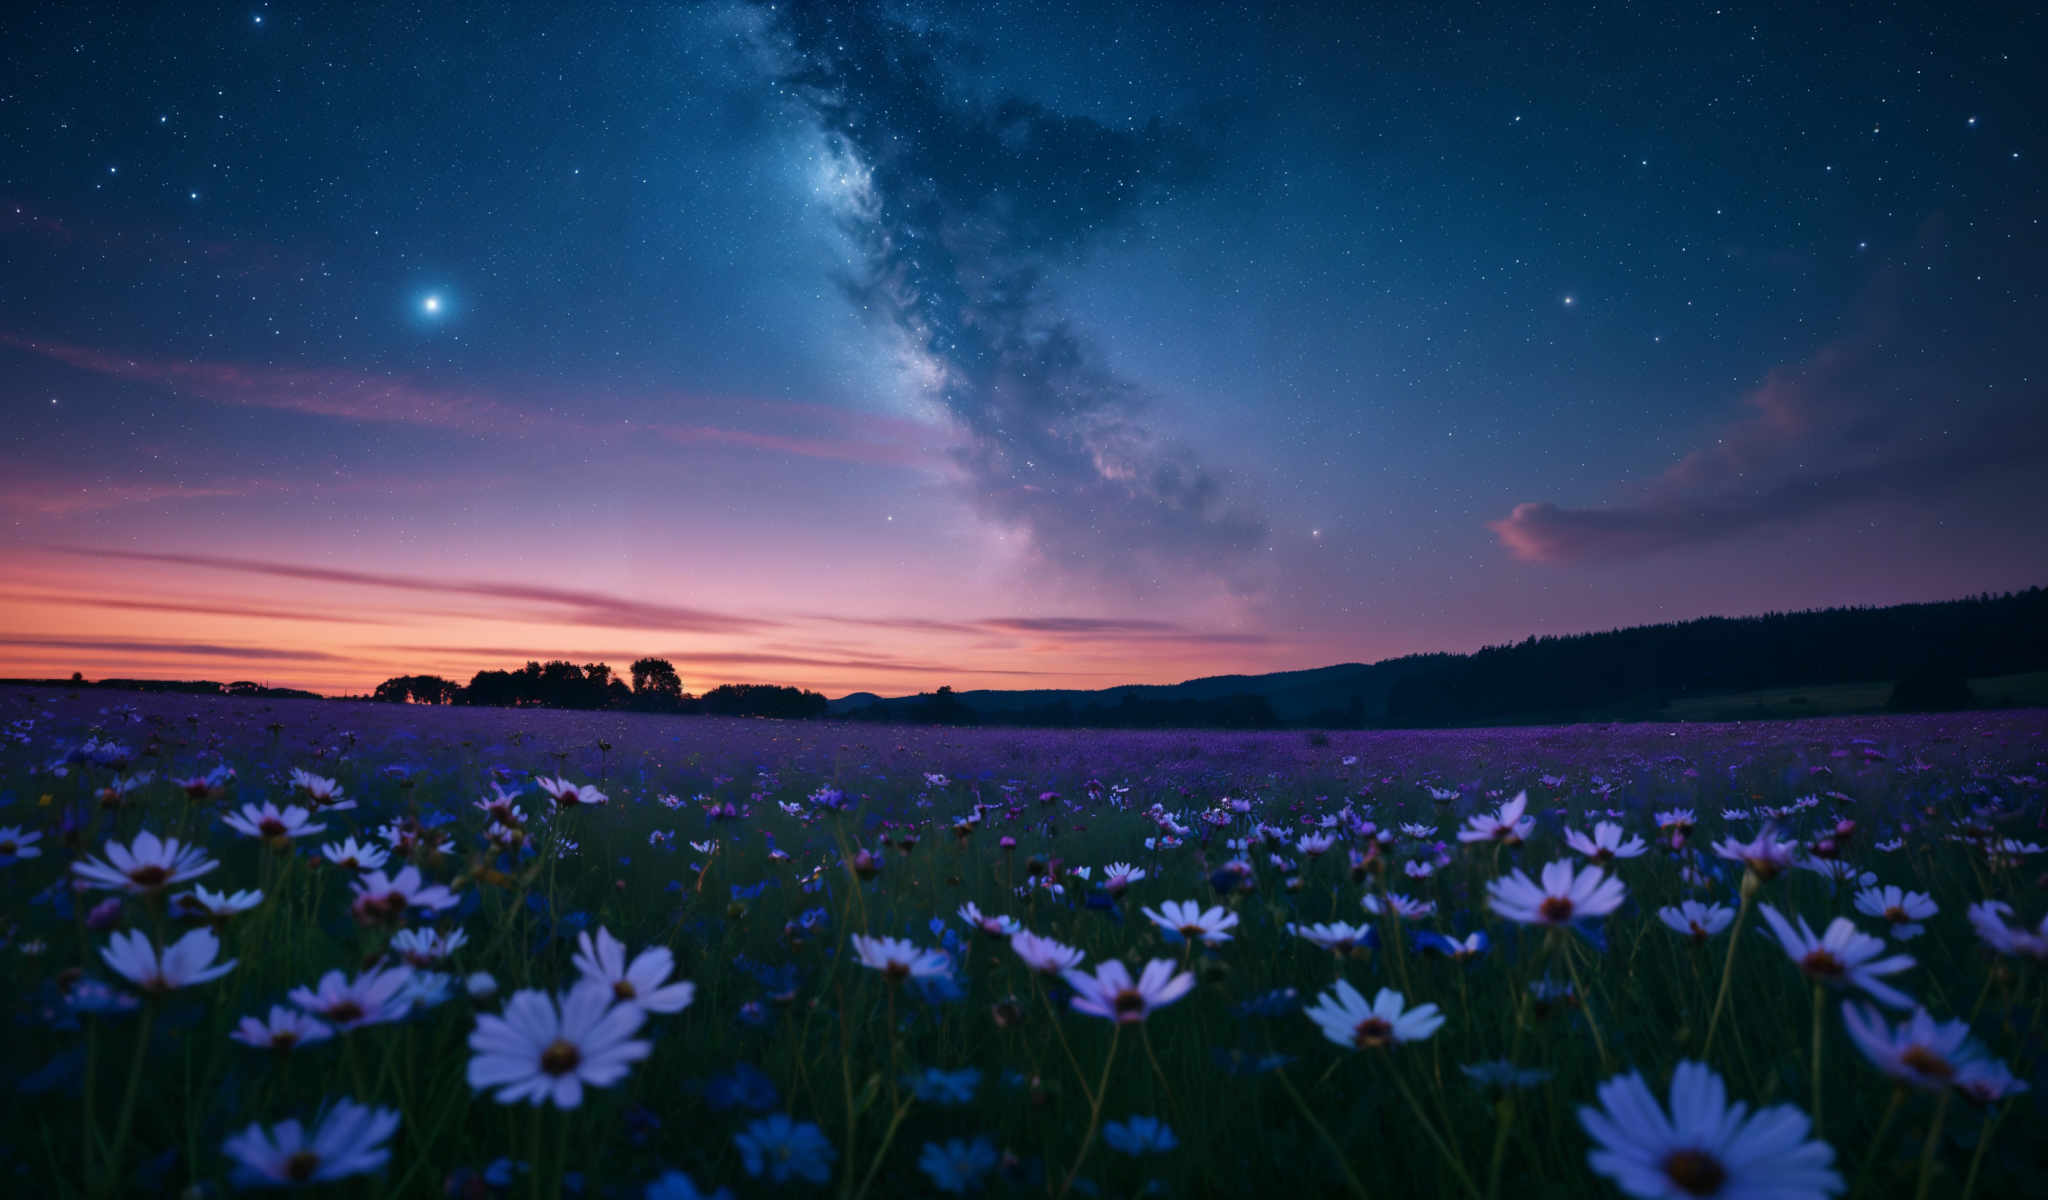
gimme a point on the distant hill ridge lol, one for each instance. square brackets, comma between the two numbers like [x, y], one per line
[1617, 674]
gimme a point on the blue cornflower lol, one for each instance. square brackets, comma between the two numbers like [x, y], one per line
[786, 1149]
[1139, 1135]
[938, 989]
[1500, 1073]
[745, 1086]
[956, 1166]
[1279, 1002]
[945, 1087]
[92, 996]
[674, 1185]
[1462, 949]
[1246, 1062]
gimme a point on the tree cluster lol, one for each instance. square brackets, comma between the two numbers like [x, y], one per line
[656, 687]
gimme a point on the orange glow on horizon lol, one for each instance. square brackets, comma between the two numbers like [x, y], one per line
[135, 617]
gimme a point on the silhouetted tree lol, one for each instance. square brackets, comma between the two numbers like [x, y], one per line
[410, 689]
[760, 700]
[656, 686]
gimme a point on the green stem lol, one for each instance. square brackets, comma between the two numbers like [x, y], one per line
[1727, 972]
[560, 1166]
[1159, 1073]
[1571, 965]
[90, 1127]
[1061, 1033]
[533, 1184]
[1819, 1125]
[1435, 1139]
[117, 1152]
[882, 1151]
[1504, 1117]
[1336, 1151]
[1884, 1126]
[1983, 1141]
[1928, 1148]
[1094, 1110]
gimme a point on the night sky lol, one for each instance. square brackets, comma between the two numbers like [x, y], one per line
[1026, 344]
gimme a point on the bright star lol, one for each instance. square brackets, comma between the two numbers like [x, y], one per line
[432, 304]
[1569, 301]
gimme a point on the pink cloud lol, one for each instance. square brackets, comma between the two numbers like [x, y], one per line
[1876, 414]
[575, 604]
[802, 430]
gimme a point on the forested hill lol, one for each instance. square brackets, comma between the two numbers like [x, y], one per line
[1625, 673]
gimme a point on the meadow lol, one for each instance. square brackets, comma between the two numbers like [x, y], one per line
[476, 952]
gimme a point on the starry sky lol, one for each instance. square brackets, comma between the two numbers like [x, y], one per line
[1022, 344]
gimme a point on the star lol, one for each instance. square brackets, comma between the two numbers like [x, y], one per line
[431, 305]
[1570, 301]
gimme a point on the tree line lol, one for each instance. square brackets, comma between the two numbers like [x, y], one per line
[655, 686]
[1928, 652]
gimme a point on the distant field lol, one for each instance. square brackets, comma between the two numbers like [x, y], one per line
[1846, 699]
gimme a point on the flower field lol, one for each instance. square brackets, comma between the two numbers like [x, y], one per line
[390, 950]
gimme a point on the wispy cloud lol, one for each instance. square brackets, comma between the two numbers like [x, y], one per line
[511, 657]
[1057, 629]
[172, 649]
[582, 607]
[347, 395]
[194, 608]
[802, 430]
[1875, 414]
[69, 499]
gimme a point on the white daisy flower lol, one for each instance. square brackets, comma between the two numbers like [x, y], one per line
[1564, 896]
[1043, 954]
[643, 982]
[1111, 993]
[898, 960]
[541, 1052]
[1704, 1146]
[187, 961]
[1922, 1051]
[1841, 957]
[283, 1029]
[146, 865]
[348, 1141]
[1606, 844]
[1190, 920]
[1695, 920]
[1904, 910]
[1346, 1019]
